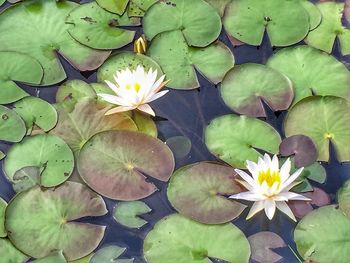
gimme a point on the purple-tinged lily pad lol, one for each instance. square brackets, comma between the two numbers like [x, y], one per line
[11, 121]
[127, 213]
[301, 147]
[41, 221]
[200, 191]
[3, 206]
[116, 163]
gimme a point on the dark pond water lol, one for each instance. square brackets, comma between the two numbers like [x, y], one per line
[187, 113]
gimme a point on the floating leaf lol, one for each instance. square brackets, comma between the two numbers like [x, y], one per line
[200, 25]
[11, 121]
[219, 5]
[323, 236]
[3, 206]
[139, 7]
[177, 239]
[262, 244]
[36, 111]
[314, 172]
[114, 6]
[127, 213]
[41, 221]
[83, 260]
[327, 119]
[2, 155]
[236, 139]
[179, 145]
[110, 254]
[97, 28]
[44, 35]
[199, 191]
[179, 61]
[48, 152]
[312, 72]
[246, 86]
[286, 22]
[314, 13]
[343, 199]
[27, 71]
[25, 178]
[9, 253]
[331, 27]
[144, 123]
[53, 258]
[114, 164]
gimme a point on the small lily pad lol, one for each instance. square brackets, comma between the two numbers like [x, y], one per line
[11, 121]
[200, 25]
[344, 198]
[57, 257]
[327, 119]
[36, 111]
[127, 213]
[235, 139]
[314, 172]
[114, 6]
[180, 61]
[3, 205]
[144, 123]
[97, 28]
[177, 239]
[200, 191]
[27, 71]
[9, 253]
[246, 86]
[2, 155]
[114, 164]
[180, 146]
[25, 178]
[312, 72]
[48, 152]
[41, 221]
[110, 254]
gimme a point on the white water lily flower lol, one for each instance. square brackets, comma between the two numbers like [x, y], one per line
[134, 90]
[269, 186]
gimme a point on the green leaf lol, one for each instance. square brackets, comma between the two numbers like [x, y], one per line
[114, 6]
[314, 13]
[219, 5]
[3, 205]
[314, 172]
[26, 178]
[344, 198]
[110, 254]
[56, 257]
[127, 213]
[9, 253]
[144, 123]
[180, 146]
[2, 155]
[11, 121]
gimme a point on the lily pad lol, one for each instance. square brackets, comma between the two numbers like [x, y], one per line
[219, 5]
[177, 239]
[86, 120]
[57, 257]
[197, 21]
[110, 254]
[97, 28]
[114, 164]
[2, 155]
[323, 236]
[246, 86]
[114, 6]
[301, 147]
[27, 71]
[25, 178]
[139, 7]
[144, 123]
[331, 27]
[344, 198]
[315, 15]
[200, 191]
[3, 206]
[47, 152]
[286, 22]
[41, 221]
[327, 119]
[180, 146]
[45, 35]
[236, 139]
[179, 61]
[9, 253]
[36, 111]
[312, 72]
[11, 121]
[314, 172]
[127, 213]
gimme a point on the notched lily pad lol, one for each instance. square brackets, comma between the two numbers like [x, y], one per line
[114, 164]
[200, 191]
[235, 139]
[127, 213]
[177, 239]
[11, 121]
[41, 221]
[26, 177]
[9, 253]
[114, 6]
[110, 254]
[3, 206]
[314, 172]
[246, 86]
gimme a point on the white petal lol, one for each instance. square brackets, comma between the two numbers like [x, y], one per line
[256, 208]
[157, 95]
[284, 208]
[147, 109]
[270, 208]
[119, 109]
[113, 99]
[267, 160]
[246, 177]
[274, 163]
[294, 196]
[291, 179]
[246, 185]
[249, 196]
[253, 169]
[112, 86]
[285, 170]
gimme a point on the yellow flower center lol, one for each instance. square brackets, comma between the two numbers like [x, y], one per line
[137, 87]
[269, 177]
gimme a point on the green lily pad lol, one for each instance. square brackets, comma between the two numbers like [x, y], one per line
[199, 191]
[139, 7]
[144, 123]
[200, 25]
[97, 28]
[179, 61]
[36, 111]
[110, 254]
[27, 71]
[312, 72]
[331, 27]
[2, 1]
[180, 146]
[47, 152]
[11, 121]
[236, 139]
[219, 5]
[344, 199]
[9, 253]
[286, 22]
[246, 86]
[2, 155]
[41, 221]
[114, 6]
[314, 172]
[26, 177]
[57, 257]
[83, 260]
[177, 239]
[315, 15]
[114, 164]
[3, 206]
[44, 35]
[86, 120]
[327, 119]
[323, 236]
[127, 213]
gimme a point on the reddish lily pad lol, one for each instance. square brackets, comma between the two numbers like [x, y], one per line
[11, 121]
[115, 163]
[200, 191]
[303, 149]
[41, 221]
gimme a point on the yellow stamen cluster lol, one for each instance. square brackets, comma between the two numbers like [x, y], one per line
[269, 177]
